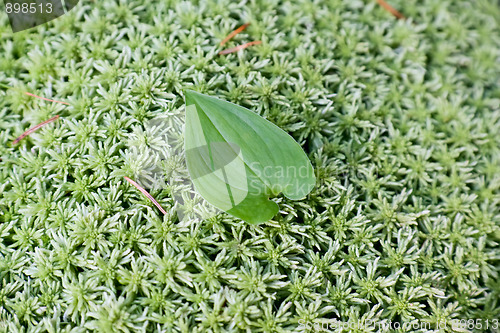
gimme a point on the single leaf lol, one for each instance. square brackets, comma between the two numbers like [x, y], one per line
[237, 160]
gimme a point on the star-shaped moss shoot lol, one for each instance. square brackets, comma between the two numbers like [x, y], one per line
[237, 160]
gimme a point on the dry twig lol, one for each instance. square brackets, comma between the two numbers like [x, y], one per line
[239, 47]
[33, 129]
[391, 9]
[234, 33]
[149, 196]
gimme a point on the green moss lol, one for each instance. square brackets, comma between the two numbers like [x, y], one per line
[401, 120]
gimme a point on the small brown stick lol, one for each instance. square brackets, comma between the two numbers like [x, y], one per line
[234, 33]
[239, 47]
[149, 196]
[391, 9]
[33, 129]
[33, 95]
[45, 99]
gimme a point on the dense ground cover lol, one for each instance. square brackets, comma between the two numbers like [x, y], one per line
[400, 119]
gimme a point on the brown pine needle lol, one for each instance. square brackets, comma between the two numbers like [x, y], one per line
[45, 99]
[149, 196]
[33, 95]
[239, 47]
[33, 129]
[391, 9]
[234, 33]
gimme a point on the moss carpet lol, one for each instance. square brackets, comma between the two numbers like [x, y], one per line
[400, 118]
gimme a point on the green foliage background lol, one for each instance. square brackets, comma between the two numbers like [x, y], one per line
[401, 120]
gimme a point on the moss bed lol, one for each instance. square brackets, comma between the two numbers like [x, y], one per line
[400, 118]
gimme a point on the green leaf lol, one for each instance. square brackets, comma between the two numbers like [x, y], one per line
[237, 160]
